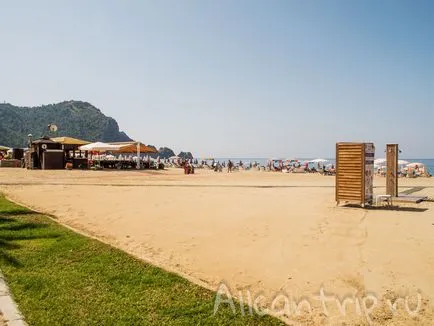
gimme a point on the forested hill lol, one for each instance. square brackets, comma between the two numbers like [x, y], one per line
[73, 118]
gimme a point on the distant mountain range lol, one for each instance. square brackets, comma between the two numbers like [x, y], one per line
[73, 118]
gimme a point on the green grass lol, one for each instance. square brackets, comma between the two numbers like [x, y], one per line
[59, 277]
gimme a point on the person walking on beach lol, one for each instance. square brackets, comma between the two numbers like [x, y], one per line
[230, 165]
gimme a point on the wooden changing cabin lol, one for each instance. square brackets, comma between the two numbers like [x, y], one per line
[354, 173]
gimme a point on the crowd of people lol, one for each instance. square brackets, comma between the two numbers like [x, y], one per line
[229, 166]
[301, 167]
[407, 171]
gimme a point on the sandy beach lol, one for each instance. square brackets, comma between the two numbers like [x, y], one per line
[258, 232]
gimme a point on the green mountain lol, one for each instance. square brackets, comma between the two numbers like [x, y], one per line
[73, 118]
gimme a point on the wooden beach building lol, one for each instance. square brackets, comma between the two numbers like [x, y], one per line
[355, 173]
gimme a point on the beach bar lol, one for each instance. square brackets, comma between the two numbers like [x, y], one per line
[68, 152]
[70, 146]
[44, 153]
[355, 173]
[134, 147]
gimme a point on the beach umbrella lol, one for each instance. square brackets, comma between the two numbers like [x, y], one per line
[413, 165]
[4, 148]
[319, 160]
[380, 161]
[403, 162]
[99, 147]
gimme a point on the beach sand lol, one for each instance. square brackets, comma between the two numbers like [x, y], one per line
[259, 232]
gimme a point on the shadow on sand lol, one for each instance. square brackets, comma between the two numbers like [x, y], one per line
[388, 208]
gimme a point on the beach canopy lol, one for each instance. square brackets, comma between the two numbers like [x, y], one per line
[70, 141]
[99, 147]
[413, 165]
[131, 147]
[4, 148]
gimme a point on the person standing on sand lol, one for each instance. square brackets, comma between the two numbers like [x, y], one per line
[230, 166]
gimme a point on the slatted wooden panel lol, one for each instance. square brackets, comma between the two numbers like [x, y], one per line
[350, 162]
[392, 170]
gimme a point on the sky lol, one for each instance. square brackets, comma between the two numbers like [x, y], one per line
[232, 78]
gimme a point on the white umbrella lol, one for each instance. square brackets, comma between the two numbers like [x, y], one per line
[319, 160]
[99, 147]
[380, 161]
[383, 161]
[413, 165]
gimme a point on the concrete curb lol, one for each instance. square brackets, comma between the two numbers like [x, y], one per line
[8, 307]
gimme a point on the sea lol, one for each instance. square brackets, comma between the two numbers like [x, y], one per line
[429, 163]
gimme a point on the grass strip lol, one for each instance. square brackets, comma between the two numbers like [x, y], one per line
[59, 277]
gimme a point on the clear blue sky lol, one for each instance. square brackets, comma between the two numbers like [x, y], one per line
[232, 78]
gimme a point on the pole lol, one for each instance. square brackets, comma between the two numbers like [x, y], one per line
[392, 170]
